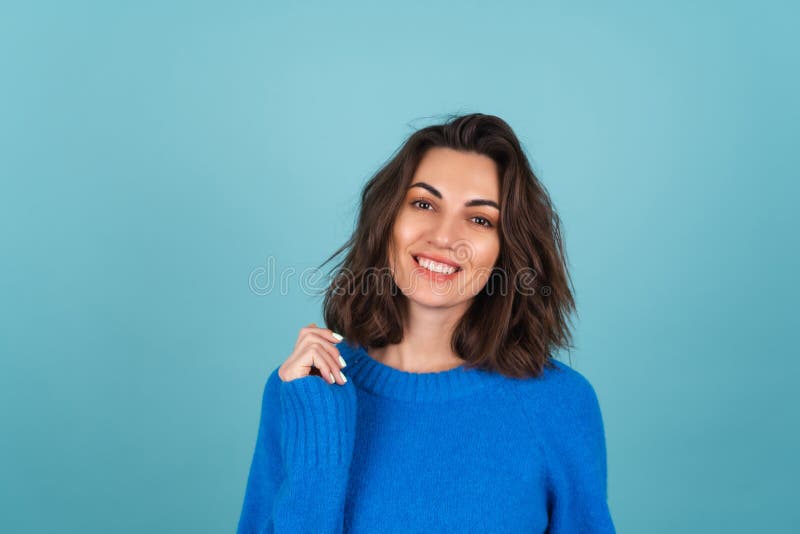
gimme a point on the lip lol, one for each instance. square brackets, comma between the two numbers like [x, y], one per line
[438, 259]
[433, 275]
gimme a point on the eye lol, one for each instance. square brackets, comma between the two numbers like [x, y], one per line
[488, 223]
[416, 202]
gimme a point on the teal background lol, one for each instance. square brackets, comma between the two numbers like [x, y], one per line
[155, 155]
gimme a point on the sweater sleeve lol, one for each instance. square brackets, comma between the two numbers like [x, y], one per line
[299, 472]
[577, 498]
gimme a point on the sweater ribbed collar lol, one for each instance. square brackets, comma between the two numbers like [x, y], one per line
[380, 379]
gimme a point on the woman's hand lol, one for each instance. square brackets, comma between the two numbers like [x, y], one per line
[314, 353]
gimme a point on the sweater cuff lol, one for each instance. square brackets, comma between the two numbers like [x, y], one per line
[317, 424]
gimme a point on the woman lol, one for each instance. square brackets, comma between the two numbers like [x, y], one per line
[453, 415]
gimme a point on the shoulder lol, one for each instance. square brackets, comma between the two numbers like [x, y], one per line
[349, 349]
[558, 379]
[560, 393]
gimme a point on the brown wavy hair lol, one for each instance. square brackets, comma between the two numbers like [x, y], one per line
[527, 298]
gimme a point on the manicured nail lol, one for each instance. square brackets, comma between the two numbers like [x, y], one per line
[341, 360]
[344, 378]
[332, 379]
[338, 336]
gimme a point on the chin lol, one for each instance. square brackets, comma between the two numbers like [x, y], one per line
[430, 299]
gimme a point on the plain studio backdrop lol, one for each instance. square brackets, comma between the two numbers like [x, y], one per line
[159, 159]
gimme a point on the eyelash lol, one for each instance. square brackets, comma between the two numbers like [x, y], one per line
[487, 225]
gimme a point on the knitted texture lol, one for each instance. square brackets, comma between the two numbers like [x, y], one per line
[452, 451]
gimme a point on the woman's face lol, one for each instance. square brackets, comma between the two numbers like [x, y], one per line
[451, 213]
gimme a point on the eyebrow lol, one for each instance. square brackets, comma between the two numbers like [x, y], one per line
[474, 202]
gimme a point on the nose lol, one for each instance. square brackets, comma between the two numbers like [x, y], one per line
[444, 232]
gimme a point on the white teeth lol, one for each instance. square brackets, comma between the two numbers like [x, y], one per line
[435, 266]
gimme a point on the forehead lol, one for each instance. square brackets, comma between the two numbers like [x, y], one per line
[457, 173]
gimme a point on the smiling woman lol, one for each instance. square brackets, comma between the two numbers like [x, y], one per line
[461, 193]
[456, 416]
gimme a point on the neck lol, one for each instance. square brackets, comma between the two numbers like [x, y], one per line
[425, 347]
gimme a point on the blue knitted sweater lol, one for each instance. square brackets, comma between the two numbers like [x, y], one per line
[452, 451]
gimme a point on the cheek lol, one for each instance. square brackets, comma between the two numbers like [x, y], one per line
[405, 232]
[487, 254]
[401, 240]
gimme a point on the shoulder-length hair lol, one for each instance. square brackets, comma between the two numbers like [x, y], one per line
[519, 319]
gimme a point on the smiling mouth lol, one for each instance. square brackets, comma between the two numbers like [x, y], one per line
[416, 260]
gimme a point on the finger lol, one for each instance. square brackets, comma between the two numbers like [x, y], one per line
[327, 333]
[322, 361]
[333, 365]
[323, 345]
[330, 335]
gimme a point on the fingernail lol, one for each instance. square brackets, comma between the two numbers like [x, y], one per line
[344, 378]
[341, 360]
[332, 379]
[338, 336]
